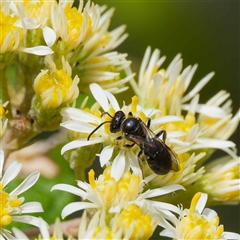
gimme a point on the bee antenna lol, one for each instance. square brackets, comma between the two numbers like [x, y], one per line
[103, 113]
[96, 129]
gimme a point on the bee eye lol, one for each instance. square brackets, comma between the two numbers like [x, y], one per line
[117, 121]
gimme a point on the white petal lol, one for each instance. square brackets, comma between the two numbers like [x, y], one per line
[144, 65]
[198, 87]
[214, 143]
[19, 234]
[163, 190]
[168, 233]
[99, 95]
[49, 36]
[175, 134]
[38, 50]
[230, 235]
[83, 226]
[80, 143]
[118, 166]
[133, 160]
[150, 111]
[189, 75]
[209, 213]
[172, 64]
[78, 126]
[30, 23]
[210, 111]
[113, 101]
[27, 219]
[26, 184]
[31, 207]
[5, 234]
[79, 115]
[44, 229]
[201, 202]
[11, 172]
[83, 185]
[166, 119]
[70, 189]
[76, 206]
[105, 155]
[165, 206]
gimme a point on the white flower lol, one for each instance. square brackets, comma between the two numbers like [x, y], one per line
[74, 25]
[162, 88]
[12, 206]
[85, 122]
[206, 126]
[222, 180]
[108, 70]
[112, 196]
[197, 223]
[99, 63]
[14, 33]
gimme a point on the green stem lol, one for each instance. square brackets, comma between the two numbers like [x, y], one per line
[79, 173]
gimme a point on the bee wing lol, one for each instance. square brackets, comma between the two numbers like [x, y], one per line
[175, 163]
[148, 132]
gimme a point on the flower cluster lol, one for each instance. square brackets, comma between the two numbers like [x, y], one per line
[58, 50]
[12, 206]
[60, 72]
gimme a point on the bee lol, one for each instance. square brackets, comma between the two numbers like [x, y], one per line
[160, 158]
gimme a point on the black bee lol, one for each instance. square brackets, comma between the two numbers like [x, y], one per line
[161, 159]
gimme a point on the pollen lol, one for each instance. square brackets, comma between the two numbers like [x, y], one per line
[55, 88]
[11, 35]
[134, 104]
[190, 119]
[141, 224]
[91, 175]
[114, 193]
[2, 111]
[75, 21]
[33, 7]
[7, 205]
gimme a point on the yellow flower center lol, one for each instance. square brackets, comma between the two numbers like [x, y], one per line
[134, 217]
[196, 226]
[6, 27]
[7, 205]
[115, 193]
[54, 88]
[33, 8]
[190, 121]
[75, 22]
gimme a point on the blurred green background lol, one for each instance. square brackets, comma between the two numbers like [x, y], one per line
[204, 32]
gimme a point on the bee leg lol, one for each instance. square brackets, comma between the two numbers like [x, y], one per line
[119, 138]
[164, 133]
[129, 145]
[149, 122]
[140, 163]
